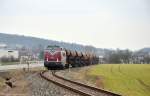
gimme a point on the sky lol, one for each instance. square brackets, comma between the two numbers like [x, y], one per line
[101, 23]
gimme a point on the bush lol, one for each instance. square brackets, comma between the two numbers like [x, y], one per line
[9, 59]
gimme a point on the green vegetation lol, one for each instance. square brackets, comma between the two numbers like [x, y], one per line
[9, 63]
[125, 79]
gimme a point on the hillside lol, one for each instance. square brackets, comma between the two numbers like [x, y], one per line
[31, 42]
[14, 41]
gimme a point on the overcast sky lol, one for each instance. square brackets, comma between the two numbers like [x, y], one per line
[101, 23]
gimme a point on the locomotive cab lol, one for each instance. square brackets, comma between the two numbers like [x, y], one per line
[54, 57]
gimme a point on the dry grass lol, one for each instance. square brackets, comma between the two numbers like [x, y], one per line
[21, 85]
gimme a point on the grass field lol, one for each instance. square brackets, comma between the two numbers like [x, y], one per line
[125, 79]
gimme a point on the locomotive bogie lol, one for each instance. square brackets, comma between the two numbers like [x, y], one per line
[54, 65]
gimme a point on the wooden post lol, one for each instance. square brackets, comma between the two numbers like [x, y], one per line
[28, 65]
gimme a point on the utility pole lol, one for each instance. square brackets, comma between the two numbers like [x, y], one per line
[0, 62]
[28, 65]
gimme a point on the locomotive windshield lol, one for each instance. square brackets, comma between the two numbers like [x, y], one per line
[52, 47]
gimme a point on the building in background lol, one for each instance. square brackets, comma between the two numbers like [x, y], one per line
[3, 46]
[9, 53]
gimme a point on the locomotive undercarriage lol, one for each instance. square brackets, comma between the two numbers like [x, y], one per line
[53, 65]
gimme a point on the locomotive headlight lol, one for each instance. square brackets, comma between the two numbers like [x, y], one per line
[57, 59]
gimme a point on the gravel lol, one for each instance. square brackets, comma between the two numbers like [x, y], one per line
[41, 87]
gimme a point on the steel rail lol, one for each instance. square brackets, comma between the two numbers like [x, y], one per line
[63, 85]
[76, 90]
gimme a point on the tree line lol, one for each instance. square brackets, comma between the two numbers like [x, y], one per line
[126, 57]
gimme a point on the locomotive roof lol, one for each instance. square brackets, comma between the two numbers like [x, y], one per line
[53, 46]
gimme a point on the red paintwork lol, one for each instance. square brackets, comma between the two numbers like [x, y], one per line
[56, 56]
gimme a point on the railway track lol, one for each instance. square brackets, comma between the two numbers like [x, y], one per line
[79, 88]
